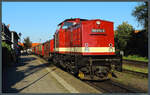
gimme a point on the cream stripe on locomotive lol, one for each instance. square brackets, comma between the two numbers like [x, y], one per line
[86, 49]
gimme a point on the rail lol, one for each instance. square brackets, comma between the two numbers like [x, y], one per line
[135, 61]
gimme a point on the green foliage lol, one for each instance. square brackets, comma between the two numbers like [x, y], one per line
[141, 39]
[136, 57]
[138, 44]
[134, 43]
[27, 43]
[122, 36]
[7, 54]
[141, 14]
[4, 44]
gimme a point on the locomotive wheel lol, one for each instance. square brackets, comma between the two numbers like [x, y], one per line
[67, 67]
[91, 76]
[74, 71]
[54, 61]
[61, 63]
[71, 69]
[91, 72]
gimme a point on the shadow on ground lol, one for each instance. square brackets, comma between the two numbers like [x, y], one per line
[11, 75]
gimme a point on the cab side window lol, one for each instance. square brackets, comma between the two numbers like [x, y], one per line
[66, 25]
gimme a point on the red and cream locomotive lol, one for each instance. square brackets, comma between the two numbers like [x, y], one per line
[85, 48]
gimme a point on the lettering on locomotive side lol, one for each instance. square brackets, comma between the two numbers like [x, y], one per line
[98, 30]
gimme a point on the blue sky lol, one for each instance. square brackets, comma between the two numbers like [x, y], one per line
[39, 20]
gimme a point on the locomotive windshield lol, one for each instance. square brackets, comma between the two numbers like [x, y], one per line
[67, 24]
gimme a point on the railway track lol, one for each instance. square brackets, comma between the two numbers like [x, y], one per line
[135, 63]
[108, 86]
[145, 75]
[138, 64]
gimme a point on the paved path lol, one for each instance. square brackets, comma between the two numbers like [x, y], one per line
[34, 75]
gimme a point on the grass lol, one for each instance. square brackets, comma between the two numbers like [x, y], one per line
[136, 57]
[136, 69]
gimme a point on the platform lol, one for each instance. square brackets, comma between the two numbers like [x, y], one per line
[35, 75]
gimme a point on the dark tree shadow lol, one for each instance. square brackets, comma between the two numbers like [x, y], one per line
[11, 76]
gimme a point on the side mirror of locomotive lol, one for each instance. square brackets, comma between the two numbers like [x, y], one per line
[121, 53]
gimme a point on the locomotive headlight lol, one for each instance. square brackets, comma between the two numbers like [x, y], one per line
[110, 47]
[86, 47]
[98, 22]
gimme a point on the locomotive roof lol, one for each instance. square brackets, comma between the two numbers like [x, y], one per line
[80, 20]
[75, 19]
[72, 20]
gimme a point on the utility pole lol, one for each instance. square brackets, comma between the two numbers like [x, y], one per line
[40, 40]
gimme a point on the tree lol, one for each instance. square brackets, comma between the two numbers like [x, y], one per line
[122, 35]
[27, 43]
[138, 45]
[141, 14]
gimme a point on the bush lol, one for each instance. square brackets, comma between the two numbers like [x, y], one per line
[6, 54]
